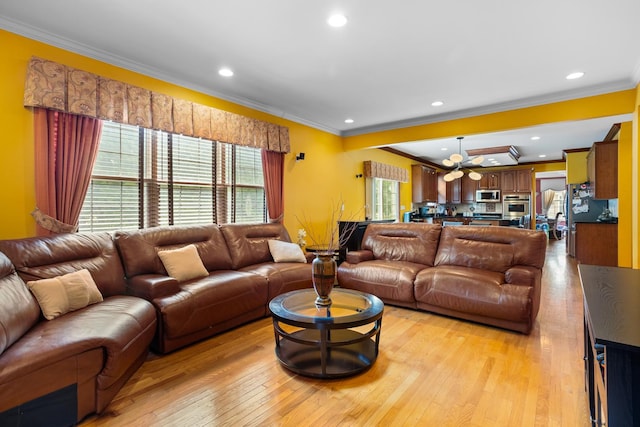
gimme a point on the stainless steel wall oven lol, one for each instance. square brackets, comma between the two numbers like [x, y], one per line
[515, 206]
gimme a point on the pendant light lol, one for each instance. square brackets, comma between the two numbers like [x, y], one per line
[456, 160]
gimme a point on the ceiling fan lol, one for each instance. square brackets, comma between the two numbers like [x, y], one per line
[456, 159]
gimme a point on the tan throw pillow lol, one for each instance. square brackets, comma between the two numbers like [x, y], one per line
[62, 294]
[183, 263]
[286, 252]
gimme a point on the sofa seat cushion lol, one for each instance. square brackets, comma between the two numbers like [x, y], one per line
[475, 291]
[122, 326]
[221, 296]
[283, 276]
[392, 281]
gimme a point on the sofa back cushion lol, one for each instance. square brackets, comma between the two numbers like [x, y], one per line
[248, 243]
[412, 242]
[491, 248]
[19, 310]
[52, 256]
[139, 249]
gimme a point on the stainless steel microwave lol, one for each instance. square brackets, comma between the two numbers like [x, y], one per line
[488, 196]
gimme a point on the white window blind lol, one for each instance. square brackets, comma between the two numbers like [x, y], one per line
[384, 199]
[145, 178]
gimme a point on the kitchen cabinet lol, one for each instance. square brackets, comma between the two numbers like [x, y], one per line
[516, 181]
[449, 192]
[602, 169]
[596, 243]
[490, 181]
[424, 182]
[611, 344]
[469, 188]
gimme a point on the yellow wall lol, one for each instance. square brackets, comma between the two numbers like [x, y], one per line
[635, 183]
[327, 174]
[625, 242]
[576, 167]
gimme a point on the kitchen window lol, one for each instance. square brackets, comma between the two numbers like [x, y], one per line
[146, 178]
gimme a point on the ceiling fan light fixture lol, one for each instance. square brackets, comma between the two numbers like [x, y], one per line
[448, 177]
[456, 157]
[477, 160]
[447, 163]
[457, 174]
[475, 176]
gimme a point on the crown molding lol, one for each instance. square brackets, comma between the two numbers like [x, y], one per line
[118, 61]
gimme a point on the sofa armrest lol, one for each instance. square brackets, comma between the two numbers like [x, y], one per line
[355, 257]
[522, 275]
[152, 286]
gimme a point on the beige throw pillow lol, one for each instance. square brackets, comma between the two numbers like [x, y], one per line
[62, 294]
[286, 252]
[183, 263]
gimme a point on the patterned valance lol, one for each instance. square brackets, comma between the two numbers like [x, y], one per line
[380, 170]
[58, 87]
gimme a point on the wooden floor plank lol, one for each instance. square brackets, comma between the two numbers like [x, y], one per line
[432, 370]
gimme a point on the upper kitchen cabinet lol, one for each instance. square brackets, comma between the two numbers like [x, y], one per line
[449, 192]
[469, 188]
[490, 181]
[516, 181]
[602, 169]
[424, 183]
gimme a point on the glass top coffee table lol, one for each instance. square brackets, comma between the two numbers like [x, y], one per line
[327, 342]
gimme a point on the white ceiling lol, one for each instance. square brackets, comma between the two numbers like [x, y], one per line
[383, 69]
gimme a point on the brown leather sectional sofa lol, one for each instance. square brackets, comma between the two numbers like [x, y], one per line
[490, 275]
[242, 279]
[56, 372]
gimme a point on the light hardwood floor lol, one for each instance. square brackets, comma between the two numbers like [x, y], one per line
[431, 371]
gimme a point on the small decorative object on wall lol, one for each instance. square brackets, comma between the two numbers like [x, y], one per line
[325, 244]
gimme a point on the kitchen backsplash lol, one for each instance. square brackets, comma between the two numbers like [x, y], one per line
[468, 209]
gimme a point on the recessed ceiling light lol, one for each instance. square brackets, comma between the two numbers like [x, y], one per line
[575, 75]
[437, 103]
[542, 155]
[444, 148]
[225, 72]
[337, 20]
[535, 138]
[348, 121]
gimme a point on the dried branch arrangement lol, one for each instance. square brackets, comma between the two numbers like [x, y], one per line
[330, 237]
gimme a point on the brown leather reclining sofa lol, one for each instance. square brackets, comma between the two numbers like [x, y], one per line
[243, 278]
[56, 372]
[490, 275]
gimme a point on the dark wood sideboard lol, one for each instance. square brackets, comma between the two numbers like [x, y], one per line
[612, 344]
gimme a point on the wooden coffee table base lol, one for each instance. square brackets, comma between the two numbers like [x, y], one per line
[346, 353]
[327, 341]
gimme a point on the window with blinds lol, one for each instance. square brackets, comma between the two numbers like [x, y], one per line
[384, 200]
[145, 178]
